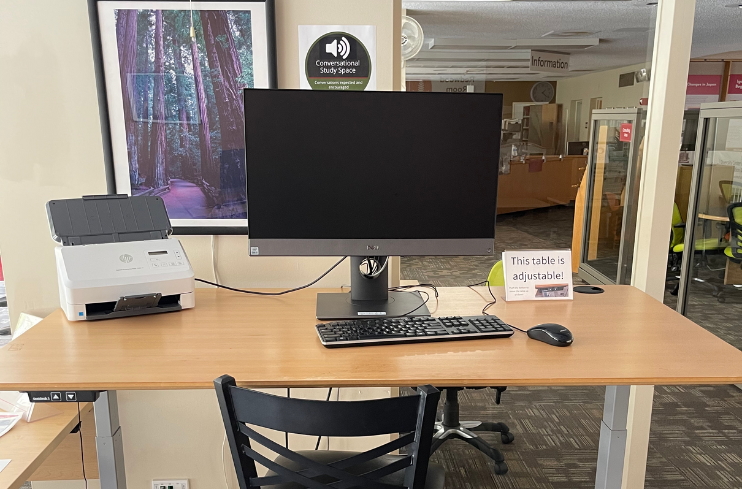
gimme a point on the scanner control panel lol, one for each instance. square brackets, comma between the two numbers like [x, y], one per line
[164, 258]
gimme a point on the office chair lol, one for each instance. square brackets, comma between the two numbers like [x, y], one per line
[731, 191]
[677, 234]
[734, 250]
[702, 245]
[412, 417]
[451, 427]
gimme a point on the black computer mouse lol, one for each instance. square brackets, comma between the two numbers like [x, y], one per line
[551, 334]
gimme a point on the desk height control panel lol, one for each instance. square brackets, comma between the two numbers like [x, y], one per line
[63, 396]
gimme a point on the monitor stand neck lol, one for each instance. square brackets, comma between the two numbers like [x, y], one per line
[369, 298]
[364, 288]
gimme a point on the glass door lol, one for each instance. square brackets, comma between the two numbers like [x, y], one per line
[611, 195]
[711, 273]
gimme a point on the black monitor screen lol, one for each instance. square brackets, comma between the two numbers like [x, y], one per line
[371, 165]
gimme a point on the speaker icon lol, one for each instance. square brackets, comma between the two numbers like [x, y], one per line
[335, 48]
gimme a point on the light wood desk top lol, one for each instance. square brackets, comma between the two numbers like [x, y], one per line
[710, 217]
[27, 445]
[621, 337]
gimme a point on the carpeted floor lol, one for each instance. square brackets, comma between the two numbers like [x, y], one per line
[696, 437]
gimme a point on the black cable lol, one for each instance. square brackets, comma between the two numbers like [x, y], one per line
[283, 292]
[316, 446]
[427, 298]
[82, 450]
[489, 304]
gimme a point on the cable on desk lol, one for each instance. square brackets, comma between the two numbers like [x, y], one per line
[283, 292]
[491, 303]
[82, 450]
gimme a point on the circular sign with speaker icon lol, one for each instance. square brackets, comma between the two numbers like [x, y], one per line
[338, 61]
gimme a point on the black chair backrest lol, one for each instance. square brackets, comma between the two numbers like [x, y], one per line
[412, 417]
[735, 228]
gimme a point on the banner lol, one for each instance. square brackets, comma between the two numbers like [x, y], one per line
[337, 57]
[702, 89]
[735, 88]
[537, 275]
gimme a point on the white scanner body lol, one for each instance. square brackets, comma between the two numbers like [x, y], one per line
[93, 278]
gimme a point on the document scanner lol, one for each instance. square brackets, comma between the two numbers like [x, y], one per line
[116, 259]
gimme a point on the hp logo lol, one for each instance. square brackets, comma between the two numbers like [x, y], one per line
[126, 258]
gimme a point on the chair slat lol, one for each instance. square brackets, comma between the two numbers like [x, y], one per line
[377, 452]
[393, 467]
[340, 476]
[315, 418]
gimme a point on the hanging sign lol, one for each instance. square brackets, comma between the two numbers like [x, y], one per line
[734, 92]
[537, 275]
[337, 57]
[626, 129]
[542, 61]
[702, 89]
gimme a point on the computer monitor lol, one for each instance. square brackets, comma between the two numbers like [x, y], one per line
[371, 174]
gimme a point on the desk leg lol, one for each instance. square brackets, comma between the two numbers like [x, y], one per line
[612, 446]
[108, 442]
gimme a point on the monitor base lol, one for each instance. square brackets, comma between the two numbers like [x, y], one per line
[341, 306]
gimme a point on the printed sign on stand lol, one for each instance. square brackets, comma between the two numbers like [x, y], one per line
[337, 57]
[537, 275]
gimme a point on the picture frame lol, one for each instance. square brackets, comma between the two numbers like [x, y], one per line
[174, 127]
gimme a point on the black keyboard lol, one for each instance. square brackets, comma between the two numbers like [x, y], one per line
[362, 332]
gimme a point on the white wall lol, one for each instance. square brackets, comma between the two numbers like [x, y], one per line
[602, 84]
[50, 148]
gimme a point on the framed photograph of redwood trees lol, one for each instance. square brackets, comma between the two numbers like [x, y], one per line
[170, 77]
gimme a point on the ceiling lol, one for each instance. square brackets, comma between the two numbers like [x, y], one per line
[492, 39]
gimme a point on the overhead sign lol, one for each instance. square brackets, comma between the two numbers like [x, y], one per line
[336, 57]
[735, 88]
[626, 129]
[542, 61]
[537, 275]
[702, 89]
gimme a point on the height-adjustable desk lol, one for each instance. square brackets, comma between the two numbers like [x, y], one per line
[622, 337]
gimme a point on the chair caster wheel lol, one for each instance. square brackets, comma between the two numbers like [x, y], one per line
[507, 438]
[501, 468]
[721, 299]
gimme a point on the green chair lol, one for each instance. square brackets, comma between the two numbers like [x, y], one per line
[734, 250]
[496, 278]
[677, 233]
[677, 246]
[730, 190]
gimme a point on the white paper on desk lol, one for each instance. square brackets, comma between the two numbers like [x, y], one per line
[4, 463]
[7, 421]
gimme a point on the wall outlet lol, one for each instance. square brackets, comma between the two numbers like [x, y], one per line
[170, 484]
